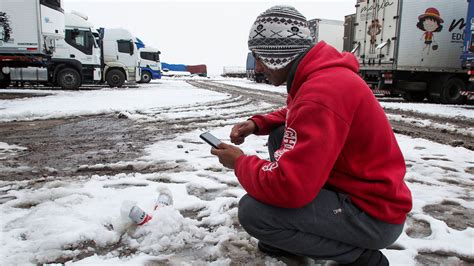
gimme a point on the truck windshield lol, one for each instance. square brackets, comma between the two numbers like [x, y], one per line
[54, 4]
[80, 39]
[150, 56]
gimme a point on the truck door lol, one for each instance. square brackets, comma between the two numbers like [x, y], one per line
[125, 55]
[376, 30]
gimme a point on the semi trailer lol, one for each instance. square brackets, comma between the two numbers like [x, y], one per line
[330, 31]
[412, 47]
[29, 30]
[349, 32]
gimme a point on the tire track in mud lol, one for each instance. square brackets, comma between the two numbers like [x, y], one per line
[66, 147]
[266, 96]
[452, 138]
[106, 144]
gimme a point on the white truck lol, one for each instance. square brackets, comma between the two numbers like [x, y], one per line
[77, 56]
[412, 47]
[330, 31]
[29, 30]
[150, 64]
[120, 56]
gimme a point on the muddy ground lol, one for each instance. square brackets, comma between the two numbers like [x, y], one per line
[83, 146]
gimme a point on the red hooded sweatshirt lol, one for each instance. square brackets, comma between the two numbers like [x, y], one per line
[336, 136]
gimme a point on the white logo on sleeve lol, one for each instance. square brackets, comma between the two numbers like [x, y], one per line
[289, 142]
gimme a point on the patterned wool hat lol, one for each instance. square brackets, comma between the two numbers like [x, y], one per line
[279, 35]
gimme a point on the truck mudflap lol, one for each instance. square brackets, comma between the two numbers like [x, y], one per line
[468, 92]
[377, 91]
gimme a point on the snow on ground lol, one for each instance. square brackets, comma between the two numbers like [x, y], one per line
[459, 111]
[65, 219]
[251, 84]
[74, 103]
[426, 123]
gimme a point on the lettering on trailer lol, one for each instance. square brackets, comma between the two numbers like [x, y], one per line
[5, 28]
[367, 12]
[457, 37]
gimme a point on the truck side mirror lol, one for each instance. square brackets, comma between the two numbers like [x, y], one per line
[132, 47]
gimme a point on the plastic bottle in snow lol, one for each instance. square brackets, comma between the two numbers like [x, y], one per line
[134, 213]
[165, 198]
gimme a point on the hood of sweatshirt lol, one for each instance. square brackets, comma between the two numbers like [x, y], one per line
[320, 57]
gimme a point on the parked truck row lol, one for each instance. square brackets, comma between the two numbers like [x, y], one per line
[412, 48]
[41, 44]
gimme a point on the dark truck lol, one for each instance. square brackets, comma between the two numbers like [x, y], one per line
[250, 70]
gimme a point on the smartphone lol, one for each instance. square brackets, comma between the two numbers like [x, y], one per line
[210, 139]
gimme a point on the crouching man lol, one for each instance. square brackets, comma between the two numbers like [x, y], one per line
[333, 188]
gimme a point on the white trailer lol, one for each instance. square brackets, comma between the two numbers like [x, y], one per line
[29, 30]
[77, 56]
[330, 31]
[412, 47]
[121, 58]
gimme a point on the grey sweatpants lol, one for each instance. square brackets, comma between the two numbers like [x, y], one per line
[329, 228]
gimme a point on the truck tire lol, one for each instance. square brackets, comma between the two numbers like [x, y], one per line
[146, 77]
[451, 91]
[115, 78]
[68, 79]
[4, 81]
[414, 96]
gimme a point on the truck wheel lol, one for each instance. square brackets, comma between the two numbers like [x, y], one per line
[414, 96]
[4, 81]
[451, 91]
[115, 78]
[69, 79]
[146, 77]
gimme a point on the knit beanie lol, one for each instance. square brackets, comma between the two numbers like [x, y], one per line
[279, 35]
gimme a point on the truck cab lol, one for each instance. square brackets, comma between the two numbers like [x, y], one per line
[150, 64]
[120, 57]
[77, 56]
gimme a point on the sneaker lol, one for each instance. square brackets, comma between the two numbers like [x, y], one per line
[370, 258]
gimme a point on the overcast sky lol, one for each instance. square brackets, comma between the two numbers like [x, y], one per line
[197, 32]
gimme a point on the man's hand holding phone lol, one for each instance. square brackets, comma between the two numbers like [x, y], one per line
[226, 153]
[241, 130]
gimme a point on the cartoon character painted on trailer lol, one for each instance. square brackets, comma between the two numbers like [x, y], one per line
[375, 28]
[430, 22]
